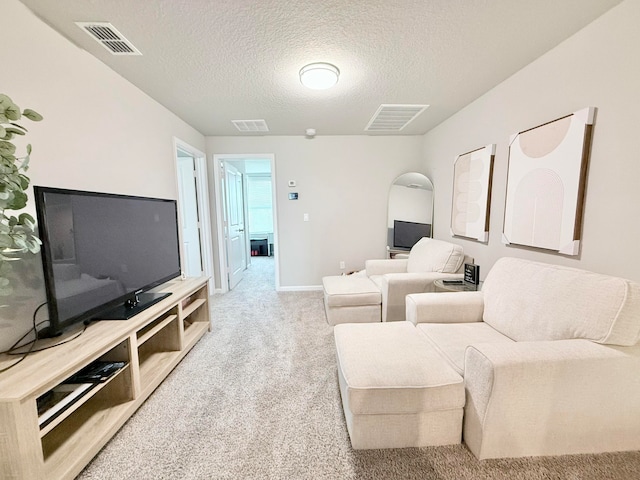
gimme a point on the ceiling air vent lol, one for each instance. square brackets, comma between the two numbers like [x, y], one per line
[251, 125]
[393, 118]
[110, 38]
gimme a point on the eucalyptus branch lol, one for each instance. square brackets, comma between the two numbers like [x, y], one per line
[17, 234]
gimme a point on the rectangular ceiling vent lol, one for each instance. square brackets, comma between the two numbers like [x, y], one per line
[393, 118]
[110, 38]
[251, 125]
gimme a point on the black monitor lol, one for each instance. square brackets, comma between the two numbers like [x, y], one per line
[102, 252]
[407, 234]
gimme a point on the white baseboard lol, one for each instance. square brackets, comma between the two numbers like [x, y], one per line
[300, 288]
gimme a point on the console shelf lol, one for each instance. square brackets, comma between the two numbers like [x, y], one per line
[151, 344]
[147, 333]
[81, 402]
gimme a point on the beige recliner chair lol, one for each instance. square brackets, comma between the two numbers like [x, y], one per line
[428, 261]
[378, 292]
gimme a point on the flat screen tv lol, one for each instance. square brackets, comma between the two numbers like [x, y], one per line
[407, 234]
[101, 253]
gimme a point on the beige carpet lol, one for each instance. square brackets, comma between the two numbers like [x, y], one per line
[257, 398]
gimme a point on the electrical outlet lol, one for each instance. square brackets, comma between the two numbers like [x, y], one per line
[342, 266]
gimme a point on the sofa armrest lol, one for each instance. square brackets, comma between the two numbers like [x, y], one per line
[445, 307]
[394, 288]
[550, 398]
[382, 266]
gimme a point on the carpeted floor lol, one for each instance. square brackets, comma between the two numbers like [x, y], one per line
[257, 398]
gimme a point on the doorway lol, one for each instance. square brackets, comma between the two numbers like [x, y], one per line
[193, 211]
[245, 200]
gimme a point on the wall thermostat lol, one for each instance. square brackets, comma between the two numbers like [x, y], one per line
[293, 196]
[292, 183]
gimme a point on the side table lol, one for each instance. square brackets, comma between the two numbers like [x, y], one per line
[455, 287]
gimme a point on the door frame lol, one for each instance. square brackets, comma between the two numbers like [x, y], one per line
[219, 198]
[202, 191]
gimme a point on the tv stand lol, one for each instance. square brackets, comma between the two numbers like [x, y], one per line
[150, 344]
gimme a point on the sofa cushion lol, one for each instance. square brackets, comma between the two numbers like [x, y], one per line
[452, 339]
[429, 255]
[531, 301]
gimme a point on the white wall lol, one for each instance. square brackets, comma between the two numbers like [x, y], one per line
[99, 133]
[599, 66]
[343, 184]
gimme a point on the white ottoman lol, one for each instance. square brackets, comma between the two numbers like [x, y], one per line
[351, 299]
[396, 389]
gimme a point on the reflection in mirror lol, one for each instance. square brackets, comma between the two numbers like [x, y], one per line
[410, 212]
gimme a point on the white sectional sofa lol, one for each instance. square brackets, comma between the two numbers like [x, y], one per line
[550, 358]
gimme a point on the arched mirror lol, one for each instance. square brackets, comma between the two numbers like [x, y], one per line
[410, 212]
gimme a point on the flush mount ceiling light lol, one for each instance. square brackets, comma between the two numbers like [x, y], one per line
[319, 76]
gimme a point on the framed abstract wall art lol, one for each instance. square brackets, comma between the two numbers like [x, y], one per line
[472, 176]
[546, 182]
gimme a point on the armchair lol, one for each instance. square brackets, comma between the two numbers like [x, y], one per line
[427, 261]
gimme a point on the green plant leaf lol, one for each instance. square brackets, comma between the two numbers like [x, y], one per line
[32, 115]
[3, 132]
[17, 131]
[27, 220]
[5, 100]
[12, 112]
[24, 166]
[20, 243]
[33, 244]
[7, 148]
[19, 201]
[17, 125]
[5, 103]
[24, 181]
[9, 158]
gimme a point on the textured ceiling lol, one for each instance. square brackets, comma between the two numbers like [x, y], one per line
[211, 62]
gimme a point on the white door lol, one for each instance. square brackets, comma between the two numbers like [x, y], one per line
[236, 243]
[188, 206]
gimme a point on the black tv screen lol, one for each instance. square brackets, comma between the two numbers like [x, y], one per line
[407, 234]
[101, 252]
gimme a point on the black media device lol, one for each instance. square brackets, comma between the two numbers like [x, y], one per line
[102, 253]
[472, 273]
[407, 234]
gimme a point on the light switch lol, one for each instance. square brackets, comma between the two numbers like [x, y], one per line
[306, 217]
